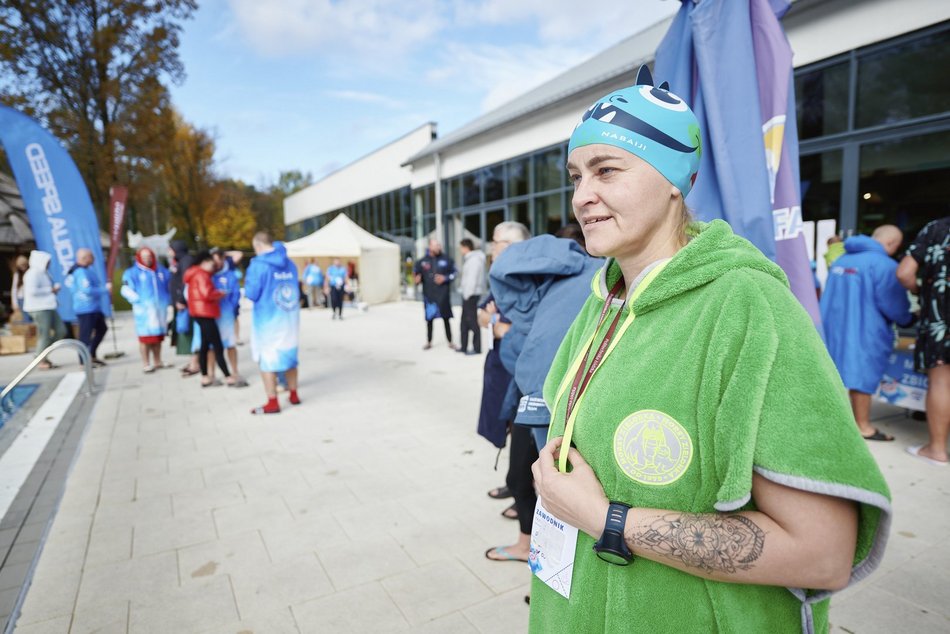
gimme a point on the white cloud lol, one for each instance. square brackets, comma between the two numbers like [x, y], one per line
[362, 96]
[569, 20]
[357, 28]
[501, 73]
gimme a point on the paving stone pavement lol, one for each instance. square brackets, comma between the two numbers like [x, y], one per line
[363, 509]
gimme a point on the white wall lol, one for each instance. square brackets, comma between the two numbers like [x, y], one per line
[374, 174]
[831, 28]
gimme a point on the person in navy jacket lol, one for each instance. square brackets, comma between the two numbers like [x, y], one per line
[863, 299]
[87, 292]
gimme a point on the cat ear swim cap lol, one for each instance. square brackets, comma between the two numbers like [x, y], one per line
[649, 122]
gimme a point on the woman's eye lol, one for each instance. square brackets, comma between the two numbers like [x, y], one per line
[605, 170]
[574, 178]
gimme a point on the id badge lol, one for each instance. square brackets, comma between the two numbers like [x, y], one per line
[553, 544]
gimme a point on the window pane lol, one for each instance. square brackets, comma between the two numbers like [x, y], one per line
[548, 168]
[905, 182]
[428, 223]
[493, 217]
[473, 227]
[518, 178]
[821, 185]
[549, 212]
[821, 100]
[520, 213]
[470, 191]
[905, 81]
[493, 182]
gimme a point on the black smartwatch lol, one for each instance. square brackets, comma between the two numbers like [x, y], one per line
[611, 546]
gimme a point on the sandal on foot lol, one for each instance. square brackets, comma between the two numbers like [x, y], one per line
[878, 435]
[187, 372]
[501, 554]
[510, 513]
[148, 369]
[238, 383]
[500, 493]
[915, 452]
[215, 383]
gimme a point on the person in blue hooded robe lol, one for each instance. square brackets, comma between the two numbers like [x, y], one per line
[145, 285]
[271, 283]
[863, 299]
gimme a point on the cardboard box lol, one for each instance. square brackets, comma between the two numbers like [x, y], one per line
[12, 344]
[27, 330]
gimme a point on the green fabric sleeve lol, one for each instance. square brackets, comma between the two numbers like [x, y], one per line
[784, 413]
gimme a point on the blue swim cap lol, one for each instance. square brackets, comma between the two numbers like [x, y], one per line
[649, 122]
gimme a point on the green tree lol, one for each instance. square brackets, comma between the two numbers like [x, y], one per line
[95, 72]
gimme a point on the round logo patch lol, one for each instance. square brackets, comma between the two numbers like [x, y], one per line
[285, 297]
[650, 447]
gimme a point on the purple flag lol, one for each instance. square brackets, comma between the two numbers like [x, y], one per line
[733, 65]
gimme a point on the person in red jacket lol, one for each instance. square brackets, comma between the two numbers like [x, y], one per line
[204, 308]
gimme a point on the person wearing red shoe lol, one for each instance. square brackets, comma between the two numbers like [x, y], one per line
[271, 283]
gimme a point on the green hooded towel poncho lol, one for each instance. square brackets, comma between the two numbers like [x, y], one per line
[720, 346]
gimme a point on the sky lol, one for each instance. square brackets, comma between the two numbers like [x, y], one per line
[313, 85]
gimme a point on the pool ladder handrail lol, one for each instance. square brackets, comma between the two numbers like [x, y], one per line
[84, 358]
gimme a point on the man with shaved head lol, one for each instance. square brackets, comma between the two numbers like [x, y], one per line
[435, 272]
[87, 292]
[863, 299]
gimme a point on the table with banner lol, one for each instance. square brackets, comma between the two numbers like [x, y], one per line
[901, 385]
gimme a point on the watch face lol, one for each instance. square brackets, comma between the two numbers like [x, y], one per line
[612, 557]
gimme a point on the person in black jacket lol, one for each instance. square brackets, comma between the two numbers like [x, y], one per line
[435, 272]
[179, 261]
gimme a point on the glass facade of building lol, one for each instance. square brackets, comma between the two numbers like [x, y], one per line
[388, 214]
[874, 129]
[532, 189]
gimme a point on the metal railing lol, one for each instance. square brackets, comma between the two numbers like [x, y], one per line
[84, 358]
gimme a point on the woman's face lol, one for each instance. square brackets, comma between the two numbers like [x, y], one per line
[621, 202]
[147, 258]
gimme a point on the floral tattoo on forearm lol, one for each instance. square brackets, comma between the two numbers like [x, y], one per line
[712, 543]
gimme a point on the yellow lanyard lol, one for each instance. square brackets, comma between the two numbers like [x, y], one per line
[576, 371]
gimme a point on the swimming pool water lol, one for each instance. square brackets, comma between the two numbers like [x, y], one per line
[15, 400]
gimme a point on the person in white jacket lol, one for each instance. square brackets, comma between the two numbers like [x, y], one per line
[39, 300]
[472, 287]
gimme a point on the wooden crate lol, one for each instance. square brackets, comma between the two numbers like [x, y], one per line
[12, 344]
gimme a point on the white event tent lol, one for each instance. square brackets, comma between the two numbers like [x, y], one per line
[377, 260]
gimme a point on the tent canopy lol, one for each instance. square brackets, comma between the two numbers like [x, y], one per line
[378, 259]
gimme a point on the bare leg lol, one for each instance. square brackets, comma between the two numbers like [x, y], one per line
[291, 379]
[938, 413]
[270, 384]
[861, 405]
[143, 350]
[237, 329]
[211, 364]
[157, 354]
[232, 359]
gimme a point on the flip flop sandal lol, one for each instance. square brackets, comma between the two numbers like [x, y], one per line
[215, 383]
[915, 452]
[504, 555]
[185, 373]
[500, 493]
[510, 513]
[878, 435]
[148, 369]
[241, 383]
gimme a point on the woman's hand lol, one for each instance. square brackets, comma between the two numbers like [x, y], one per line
[576, 497]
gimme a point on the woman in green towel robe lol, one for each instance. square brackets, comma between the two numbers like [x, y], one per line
[713, 412]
